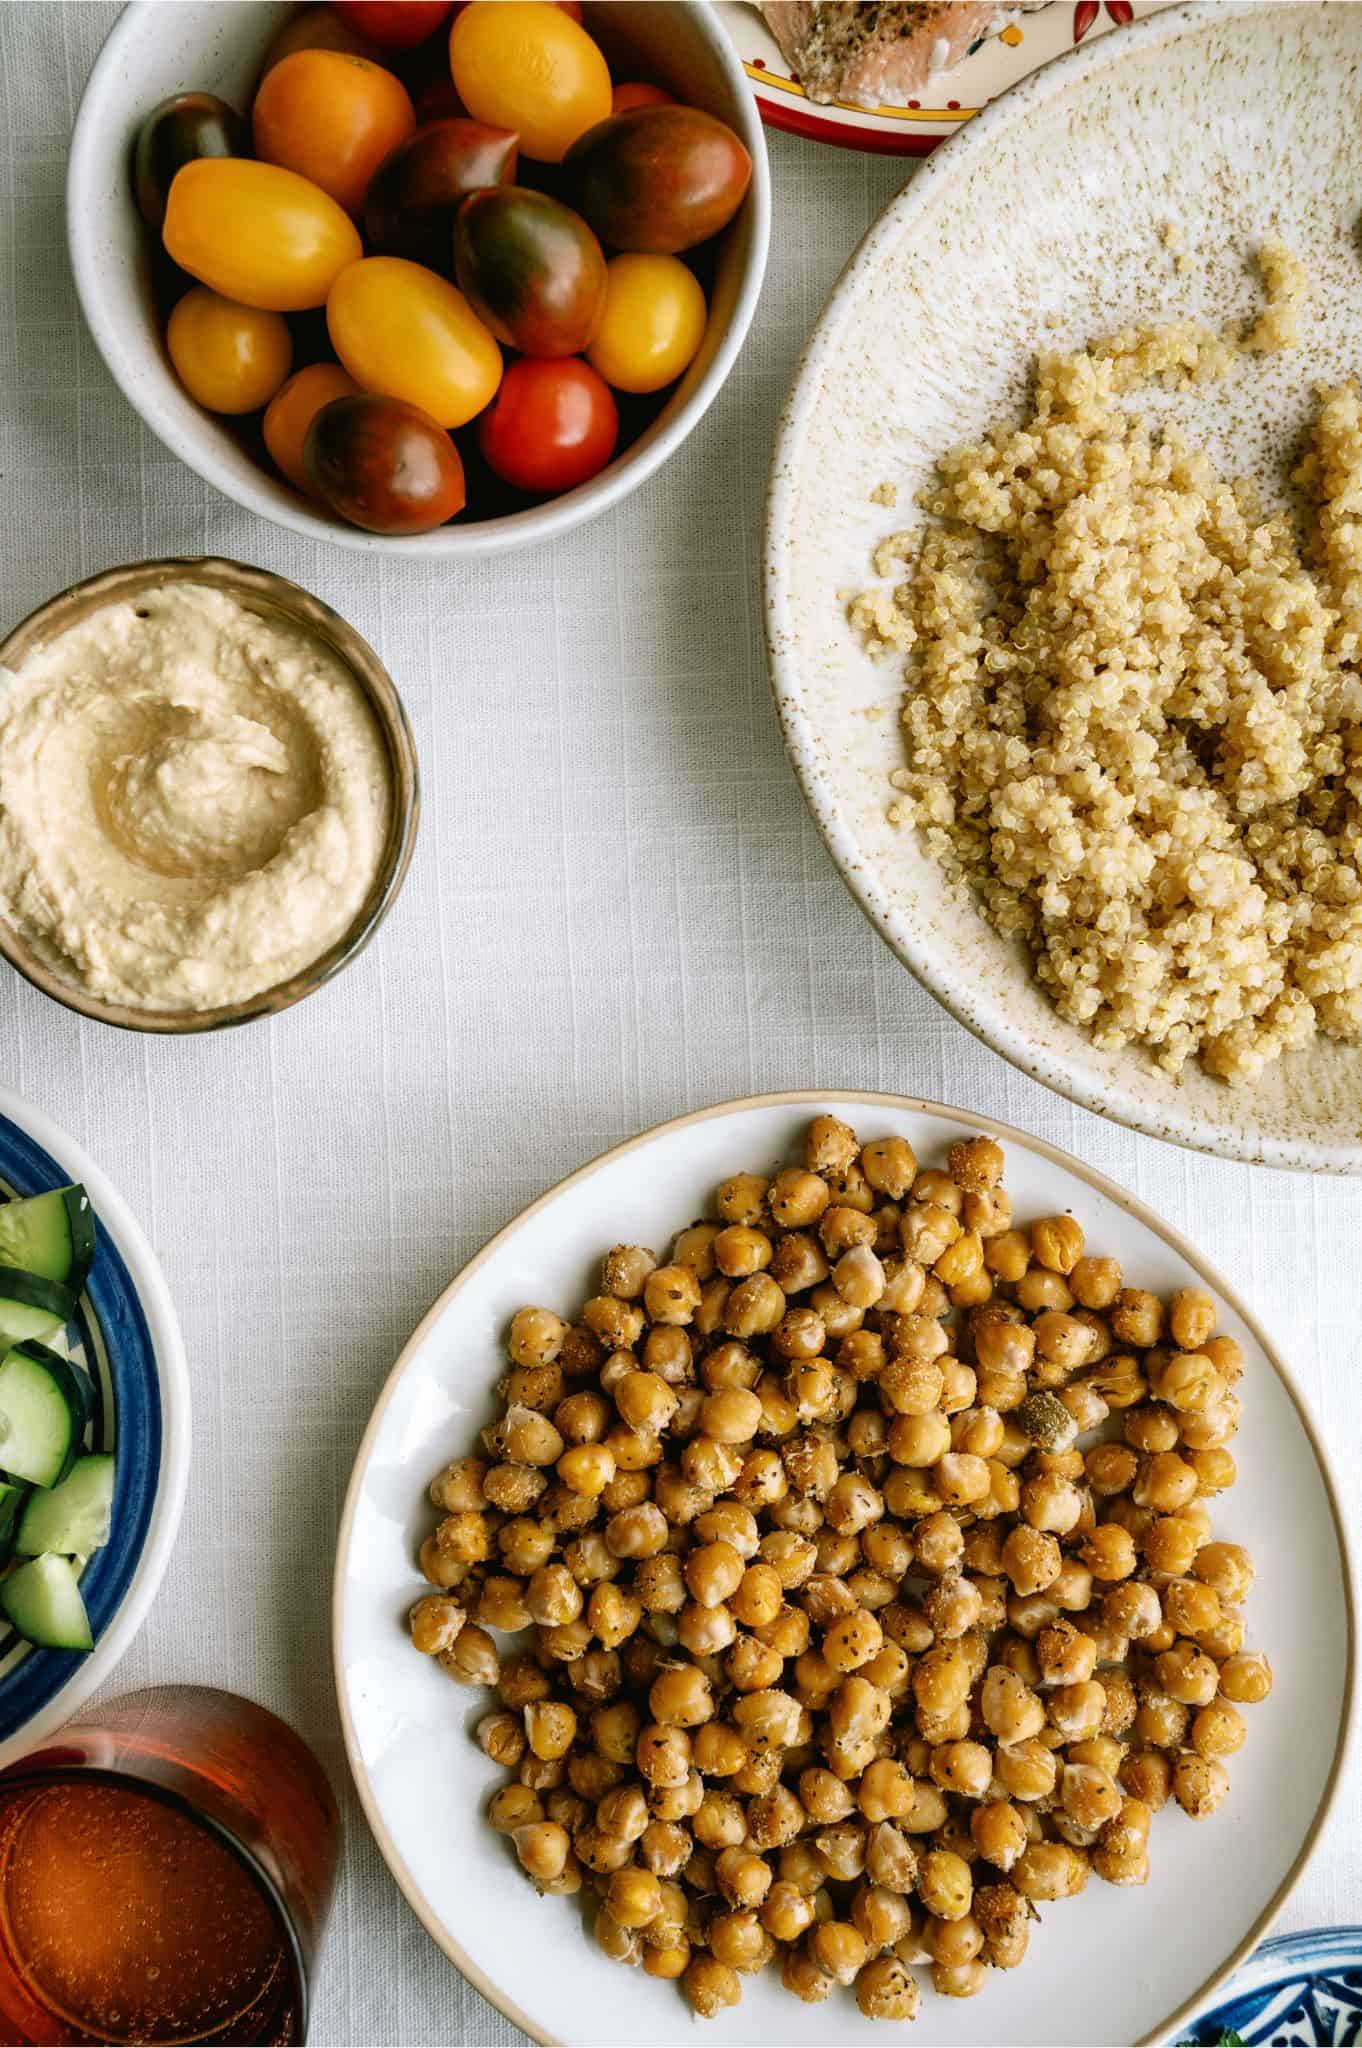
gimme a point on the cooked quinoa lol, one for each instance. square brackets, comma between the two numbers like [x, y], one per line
[1134, 710]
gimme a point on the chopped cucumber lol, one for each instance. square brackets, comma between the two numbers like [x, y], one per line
[44, 1409]
[73, 1519]
[52, 1235]
[12, 1498]
[31, 1306]
[43, 1601]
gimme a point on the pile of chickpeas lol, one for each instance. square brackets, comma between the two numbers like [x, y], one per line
[844, 1652]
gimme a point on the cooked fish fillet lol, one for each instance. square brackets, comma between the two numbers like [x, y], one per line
[878, 52]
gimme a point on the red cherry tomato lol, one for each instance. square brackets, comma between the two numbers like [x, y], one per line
[438, 101]
[626, 97]
[551, 425]
[393, 24]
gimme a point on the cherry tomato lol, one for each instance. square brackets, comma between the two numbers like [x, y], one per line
[438, 101]
[551, 426]
[332, 119]
[401, 330]
[659, 179]
[291, 412]
[186, 126]
[316, 28]
[257, 233]
[229, 358]
[653, 323]
[527, 65]
[384, 465]
[531, 269]
[393, 24]
[418, 189]
[626, 97]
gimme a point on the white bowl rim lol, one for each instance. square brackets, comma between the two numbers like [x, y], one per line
[824, 1099]
[986, 1018]
[478, 538]
[173, 1373]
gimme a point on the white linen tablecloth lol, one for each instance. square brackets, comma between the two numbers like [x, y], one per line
[619, 910]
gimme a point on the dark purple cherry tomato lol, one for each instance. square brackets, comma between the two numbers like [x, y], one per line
[658, 179]
[183, 128]
[551, 425]
[437, 100]
[384, 465]
[416, 191]
[531, 269]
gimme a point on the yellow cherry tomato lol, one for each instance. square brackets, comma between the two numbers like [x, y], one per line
[527, 65]
[291, 412]
[402, 330]
[654, 321]
[230, 358]
[257, 233]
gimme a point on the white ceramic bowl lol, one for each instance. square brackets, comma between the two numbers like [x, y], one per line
[126, 1334]
[1114, 1965]
[1040, 225]
[156, 50]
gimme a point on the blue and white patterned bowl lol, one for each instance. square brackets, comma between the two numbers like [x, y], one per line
[126, 1334]
[1295, 1990]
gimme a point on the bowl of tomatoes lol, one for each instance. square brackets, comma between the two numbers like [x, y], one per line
[436, 279]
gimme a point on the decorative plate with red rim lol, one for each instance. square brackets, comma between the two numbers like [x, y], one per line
[1019, 46]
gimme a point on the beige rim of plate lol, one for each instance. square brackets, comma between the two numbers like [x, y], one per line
[416, 1899]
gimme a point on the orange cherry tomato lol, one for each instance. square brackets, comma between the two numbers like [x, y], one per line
[230, 358]
[393, 24]
[653, 323]
[527, 65]
[332, 119]
[258, 234]
[401, 330]
[624, 97]
[552, 425]
[316, 28]
[291, 412]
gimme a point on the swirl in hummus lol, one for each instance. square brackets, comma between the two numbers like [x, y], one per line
[194, 801]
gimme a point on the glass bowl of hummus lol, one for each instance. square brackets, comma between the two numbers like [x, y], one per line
[208, 795]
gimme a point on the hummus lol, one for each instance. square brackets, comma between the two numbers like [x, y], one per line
[194, 802]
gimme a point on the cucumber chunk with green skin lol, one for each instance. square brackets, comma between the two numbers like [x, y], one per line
[44, 1409]
[43, 1601]
[73, 1518]
[31, 1306]
[12, 1498]
[51, 1235]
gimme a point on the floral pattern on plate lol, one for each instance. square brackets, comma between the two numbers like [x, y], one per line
[991, 66]
[1297, 1990]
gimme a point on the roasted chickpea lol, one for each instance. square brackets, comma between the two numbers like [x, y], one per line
[435, 1623]
[710, 1985]
[1057, 1243]
[1199, 1784]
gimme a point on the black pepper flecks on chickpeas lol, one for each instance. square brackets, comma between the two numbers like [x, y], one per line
[864, 1542]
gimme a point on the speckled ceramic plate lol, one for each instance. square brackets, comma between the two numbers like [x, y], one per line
[423, 1783]
[1043, 222]
[126, 1335]
[996, 62]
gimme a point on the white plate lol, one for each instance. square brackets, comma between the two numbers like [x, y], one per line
[996, 62]
[423, 1784]
[1041, 225]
